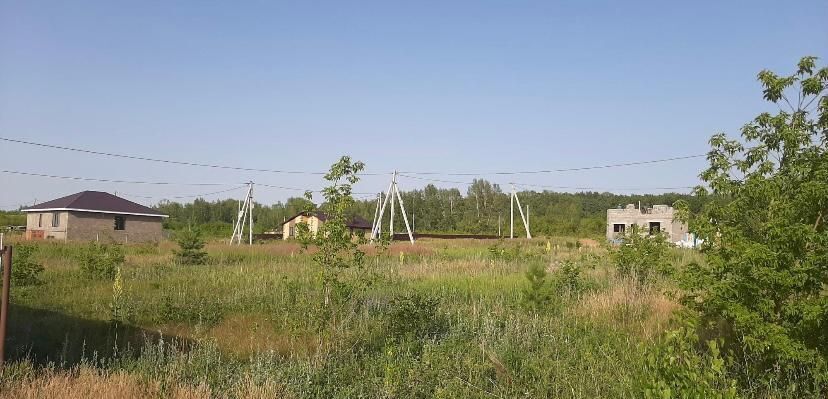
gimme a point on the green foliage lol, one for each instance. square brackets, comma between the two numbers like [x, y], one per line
[762, 289]
[25, 270]
[337, 251]
[100, 261]
[536, 295]
[676, 369]
[414, 317]
[191, 248]
[570, 278]
[12, 218]
[642, 256]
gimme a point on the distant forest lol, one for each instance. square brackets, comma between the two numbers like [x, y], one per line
[433, 209]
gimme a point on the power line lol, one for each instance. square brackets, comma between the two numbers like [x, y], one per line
[140, 158]
[553, 187]
[582, 168]
[217, 166]
[182, 196]
[14, 172]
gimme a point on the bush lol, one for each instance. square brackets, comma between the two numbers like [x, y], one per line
[192, 248]
[414, 317]
[641, 256]
[101, 261]
[676, 369]
[24, 269]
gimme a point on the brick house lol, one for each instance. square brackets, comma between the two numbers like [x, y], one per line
[93, 216]
[652, 219]
[314, 220]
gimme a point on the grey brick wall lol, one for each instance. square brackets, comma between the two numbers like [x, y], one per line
[88, 226]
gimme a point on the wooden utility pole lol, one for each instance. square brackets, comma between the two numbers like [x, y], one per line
[4, 303]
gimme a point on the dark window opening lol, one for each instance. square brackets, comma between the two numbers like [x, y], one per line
[120, 223]
[39, 220]
[618, 228]
[56, 219]
[655, 227]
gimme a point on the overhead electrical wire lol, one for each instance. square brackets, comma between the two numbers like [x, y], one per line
[119, 181]
[14, 172]
[553, 187]
[247, 169]
[182, 196]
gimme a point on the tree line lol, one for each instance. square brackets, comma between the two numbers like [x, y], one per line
[484, 209]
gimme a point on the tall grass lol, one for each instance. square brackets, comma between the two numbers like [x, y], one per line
[245, 326]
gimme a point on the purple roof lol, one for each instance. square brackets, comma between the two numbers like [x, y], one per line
[95, 201]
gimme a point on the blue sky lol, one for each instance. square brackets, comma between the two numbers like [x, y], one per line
[474, 86]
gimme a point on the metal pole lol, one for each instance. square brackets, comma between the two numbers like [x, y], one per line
[4, 304]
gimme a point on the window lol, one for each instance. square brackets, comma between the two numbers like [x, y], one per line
[618, 228]
[655, 227]
[39, 220]
[120, 223]
[56, 219]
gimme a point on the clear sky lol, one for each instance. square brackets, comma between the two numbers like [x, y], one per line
[445, 86]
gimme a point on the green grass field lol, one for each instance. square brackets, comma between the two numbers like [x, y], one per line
[439, 319]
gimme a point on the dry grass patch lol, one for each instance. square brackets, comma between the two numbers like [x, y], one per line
[641, 311]
[245, 335]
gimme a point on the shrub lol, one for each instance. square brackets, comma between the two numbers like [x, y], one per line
[25, 271]
[192, 248]
[100, 261]
[641, 256]
[414, 317]
[676, 369]
[570, 278]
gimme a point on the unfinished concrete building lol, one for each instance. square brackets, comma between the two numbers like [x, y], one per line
[652, 219]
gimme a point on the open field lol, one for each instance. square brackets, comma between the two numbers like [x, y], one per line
[248, 325]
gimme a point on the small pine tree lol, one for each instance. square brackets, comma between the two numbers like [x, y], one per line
[192, 248]
[536, 295]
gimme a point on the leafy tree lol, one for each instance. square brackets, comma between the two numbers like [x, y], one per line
[337, 250]
[764, 287]
[191, 246]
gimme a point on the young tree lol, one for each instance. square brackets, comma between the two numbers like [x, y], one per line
[337, 251]
[763, 287]
[191, 247]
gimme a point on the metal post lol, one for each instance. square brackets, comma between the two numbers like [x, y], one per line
[4, 303]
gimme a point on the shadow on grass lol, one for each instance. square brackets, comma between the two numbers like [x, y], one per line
[44, 336]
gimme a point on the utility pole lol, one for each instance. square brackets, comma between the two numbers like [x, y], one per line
[245, 214]
[515, 199]
[393, 191]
